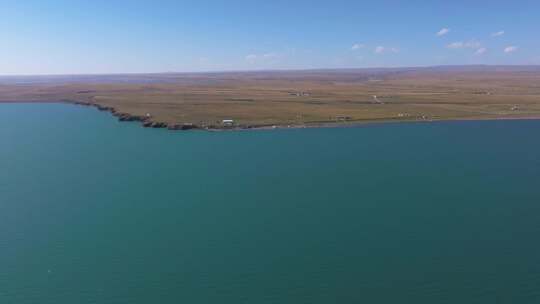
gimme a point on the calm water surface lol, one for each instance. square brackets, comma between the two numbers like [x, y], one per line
[97, 211]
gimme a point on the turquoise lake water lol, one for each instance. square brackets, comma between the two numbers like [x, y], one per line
[97, 211]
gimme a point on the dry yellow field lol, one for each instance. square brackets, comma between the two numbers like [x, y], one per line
[297, 98]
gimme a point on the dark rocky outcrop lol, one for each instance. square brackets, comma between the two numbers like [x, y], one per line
[159, 125]
[185, 126]
[146, 122]
[128, 117]
[105, 108]
[189, 126]
[81, 103]
[154, 124]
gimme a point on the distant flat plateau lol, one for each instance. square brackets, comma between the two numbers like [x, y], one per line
[294, 98]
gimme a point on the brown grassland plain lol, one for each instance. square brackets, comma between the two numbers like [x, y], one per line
[297, 98]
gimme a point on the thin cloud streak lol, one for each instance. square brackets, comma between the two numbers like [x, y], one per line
[510, 49]
[381, 49]
[443, 32]
[357, 46]
[481, 51]
[471, 44]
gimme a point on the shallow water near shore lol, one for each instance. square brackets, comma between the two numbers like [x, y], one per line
[93, 210]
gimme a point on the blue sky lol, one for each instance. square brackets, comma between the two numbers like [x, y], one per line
[120, 36]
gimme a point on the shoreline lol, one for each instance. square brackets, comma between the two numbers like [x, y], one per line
[147, 122]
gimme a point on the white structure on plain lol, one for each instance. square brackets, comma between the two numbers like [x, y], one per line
[227, 122]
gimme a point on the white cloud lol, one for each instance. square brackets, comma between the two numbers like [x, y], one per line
[481, 51]
[455, 45]
[510, 49]
[270, 56]
[357, 46]
[497, 34]
[251, 58]
[443, 32]
[381, 49]
[261, 58]
[471, 44]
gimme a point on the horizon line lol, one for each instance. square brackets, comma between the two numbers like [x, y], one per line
[263, 70]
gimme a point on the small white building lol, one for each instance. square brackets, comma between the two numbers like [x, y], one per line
[227, 122]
